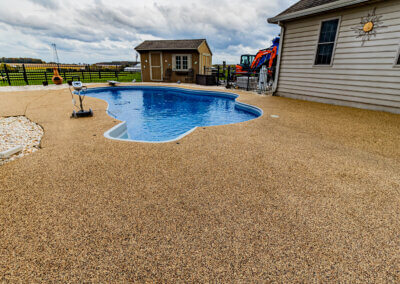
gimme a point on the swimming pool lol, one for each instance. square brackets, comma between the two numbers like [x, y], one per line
[165, 114]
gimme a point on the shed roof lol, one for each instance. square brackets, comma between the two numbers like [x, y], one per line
[188, 44]
[311, 7]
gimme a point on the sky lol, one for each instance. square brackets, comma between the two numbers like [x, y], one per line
[90, 31]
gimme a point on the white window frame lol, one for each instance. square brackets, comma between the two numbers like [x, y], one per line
[397, 65]
[189, 65]
[334, 45]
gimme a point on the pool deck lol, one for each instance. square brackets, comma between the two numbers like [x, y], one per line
[311, 196]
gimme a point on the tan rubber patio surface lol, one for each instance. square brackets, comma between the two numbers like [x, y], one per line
[313, 196]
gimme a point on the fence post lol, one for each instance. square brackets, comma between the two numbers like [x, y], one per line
[228, 76]
[99, 74]
[83, 77]
[45, 76]
[116, 74]
[248, 81]
[8, 76]
[25, 76]
[218, 76]
[90, 74]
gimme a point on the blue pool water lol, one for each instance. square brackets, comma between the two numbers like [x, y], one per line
[161, 114]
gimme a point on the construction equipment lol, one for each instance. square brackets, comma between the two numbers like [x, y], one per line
[245, 62]
[253, 63]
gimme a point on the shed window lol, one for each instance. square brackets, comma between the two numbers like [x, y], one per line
[178, 62]
[326, 43]
[182, 62]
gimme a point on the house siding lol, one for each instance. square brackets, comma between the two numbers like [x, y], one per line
[360, 76]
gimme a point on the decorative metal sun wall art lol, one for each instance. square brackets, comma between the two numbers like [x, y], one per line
[368, 27]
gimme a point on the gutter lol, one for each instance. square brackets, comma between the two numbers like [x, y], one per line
[278, 65]
[315, 10]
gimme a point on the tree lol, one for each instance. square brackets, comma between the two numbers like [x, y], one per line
[21, 60]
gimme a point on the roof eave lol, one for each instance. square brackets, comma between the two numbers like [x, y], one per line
[315, 10]
[139, 49]
[150, 49]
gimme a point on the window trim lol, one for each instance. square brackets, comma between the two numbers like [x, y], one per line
[190, 58]
[396, 63]
[334, 45]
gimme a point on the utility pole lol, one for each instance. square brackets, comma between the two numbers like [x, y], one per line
[55, 54]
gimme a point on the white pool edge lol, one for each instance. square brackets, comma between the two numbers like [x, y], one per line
[122, 129]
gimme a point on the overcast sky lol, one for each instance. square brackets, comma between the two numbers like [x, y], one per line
[89, 31]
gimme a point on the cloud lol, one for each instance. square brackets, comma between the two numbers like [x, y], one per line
[96, 30]
[51, 4]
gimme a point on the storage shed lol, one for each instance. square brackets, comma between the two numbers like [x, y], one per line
[343, 52]
[173, 60]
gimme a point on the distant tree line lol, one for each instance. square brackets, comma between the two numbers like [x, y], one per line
[120, 63]
[21, 60]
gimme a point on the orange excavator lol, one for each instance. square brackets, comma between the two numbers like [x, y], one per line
[253, 63]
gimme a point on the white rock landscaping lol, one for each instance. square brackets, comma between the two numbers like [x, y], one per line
[18, 131]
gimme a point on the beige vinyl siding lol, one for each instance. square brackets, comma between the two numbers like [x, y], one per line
[361, 76]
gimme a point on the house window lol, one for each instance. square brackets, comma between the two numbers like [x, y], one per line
[398, 58]
[182, 62]
[326, 43]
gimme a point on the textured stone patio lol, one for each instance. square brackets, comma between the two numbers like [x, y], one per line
[313, 196]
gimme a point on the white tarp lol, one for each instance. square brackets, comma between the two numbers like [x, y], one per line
[263, 80]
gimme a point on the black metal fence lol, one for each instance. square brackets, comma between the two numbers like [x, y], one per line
[36, 74]
[222, 74]
[227, 76]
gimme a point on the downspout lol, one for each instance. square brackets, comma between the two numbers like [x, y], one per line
[278, 65]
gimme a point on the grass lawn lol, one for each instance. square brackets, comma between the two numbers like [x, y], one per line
[37, 77]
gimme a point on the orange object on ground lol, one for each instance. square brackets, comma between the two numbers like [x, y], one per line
[57, 79]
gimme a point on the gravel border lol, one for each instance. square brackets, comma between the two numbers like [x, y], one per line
[16, 131]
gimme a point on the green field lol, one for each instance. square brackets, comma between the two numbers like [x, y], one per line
[37, 77]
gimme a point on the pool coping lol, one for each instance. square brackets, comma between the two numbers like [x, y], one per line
[121, 127]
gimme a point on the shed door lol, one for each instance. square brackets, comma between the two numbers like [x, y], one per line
[205, 62]
[156, 66]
